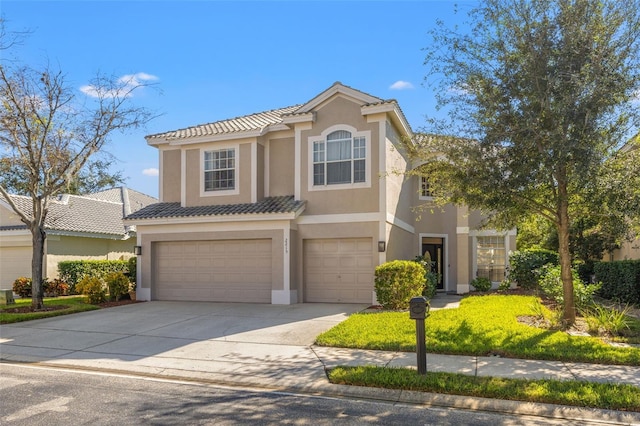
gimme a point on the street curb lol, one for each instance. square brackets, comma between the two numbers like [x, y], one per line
[322, 387]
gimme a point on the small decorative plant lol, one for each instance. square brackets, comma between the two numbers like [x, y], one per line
[22, 287]
[481, 284]
[93, 288]
[56, 287]
[118, 285]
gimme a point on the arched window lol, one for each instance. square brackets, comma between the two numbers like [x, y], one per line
[340, 159]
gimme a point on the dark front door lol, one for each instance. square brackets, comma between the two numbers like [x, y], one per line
[435, 248]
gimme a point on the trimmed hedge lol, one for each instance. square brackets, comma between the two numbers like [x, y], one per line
[524, 266]
[396, 282]
[73, 271]
[620, 280]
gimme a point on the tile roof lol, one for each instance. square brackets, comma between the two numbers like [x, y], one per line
[99, 213]
[261, 120]
[269, 205]
[257, 121]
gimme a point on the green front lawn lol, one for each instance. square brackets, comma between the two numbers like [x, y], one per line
[55, 305]
[482, 325]
[582, 394]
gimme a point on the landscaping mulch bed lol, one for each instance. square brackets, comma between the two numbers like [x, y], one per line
[27, 308]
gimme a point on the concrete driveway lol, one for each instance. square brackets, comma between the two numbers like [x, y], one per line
[236, 343]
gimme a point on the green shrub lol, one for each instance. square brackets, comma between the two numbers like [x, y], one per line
[72, 271]
[93, 288]
[133, 268]
[620, 280]
[430, 277]
[584, 269]
[117, 283]
[504, 285]
[396, 282]
[612, 321]
[481, 284]
[56, 287]
[524, 266]
[551, 285]
[22, 287]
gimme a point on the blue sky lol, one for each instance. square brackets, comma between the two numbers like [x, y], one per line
[211, 60]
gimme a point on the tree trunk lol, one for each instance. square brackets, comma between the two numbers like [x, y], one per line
[38, 236]
[565, 256]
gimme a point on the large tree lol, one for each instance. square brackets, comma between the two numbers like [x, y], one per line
[49, 131]
[95, 176]
[540, 95]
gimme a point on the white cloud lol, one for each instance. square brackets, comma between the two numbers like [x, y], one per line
[401, 85]
[151, 172]
[124, 87]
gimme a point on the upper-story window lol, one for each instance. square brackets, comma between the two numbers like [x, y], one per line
[425, 188]
[220, 170]
[339, 159]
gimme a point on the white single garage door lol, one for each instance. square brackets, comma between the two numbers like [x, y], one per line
[338, 270]
[214, 271]
[15, 262]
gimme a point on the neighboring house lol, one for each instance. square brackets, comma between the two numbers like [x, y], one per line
[296, 205]
[78, 227]
[628, 249]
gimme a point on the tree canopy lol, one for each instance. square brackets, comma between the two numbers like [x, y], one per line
[541, 96]
[49, 134]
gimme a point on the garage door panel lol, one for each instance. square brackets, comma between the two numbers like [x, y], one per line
[338, 270]
[364, 262]
[225, 270]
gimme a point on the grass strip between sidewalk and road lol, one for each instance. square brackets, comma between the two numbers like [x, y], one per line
[575, 393]
[54, 306]
[481, 326]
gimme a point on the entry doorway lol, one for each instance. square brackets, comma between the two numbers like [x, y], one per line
[434, 246]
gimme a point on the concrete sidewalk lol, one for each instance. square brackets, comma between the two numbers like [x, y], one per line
[269, 347]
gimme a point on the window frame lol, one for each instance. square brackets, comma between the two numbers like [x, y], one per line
[322, 138]
[236, 171]
[502, 261]
[421, 195]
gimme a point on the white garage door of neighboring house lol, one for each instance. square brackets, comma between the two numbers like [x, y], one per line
[338, 270]
[214, 271]
[15, 262]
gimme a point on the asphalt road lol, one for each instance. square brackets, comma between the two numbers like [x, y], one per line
[49, 397]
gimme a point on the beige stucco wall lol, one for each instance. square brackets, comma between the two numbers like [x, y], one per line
[194, 173]
[171, 175]
[628, 250]
[260, 172]
[281, 166]
[61, 248]
[400, 187]
[340, 111]
[401, 244]
[295, 267]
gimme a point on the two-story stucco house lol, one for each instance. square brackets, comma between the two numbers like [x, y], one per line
[296, 205]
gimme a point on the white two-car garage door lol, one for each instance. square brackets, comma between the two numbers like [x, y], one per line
[214, 271]
[338, 270]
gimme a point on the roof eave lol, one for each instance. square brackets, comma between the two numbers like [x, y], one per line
[393, 109]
